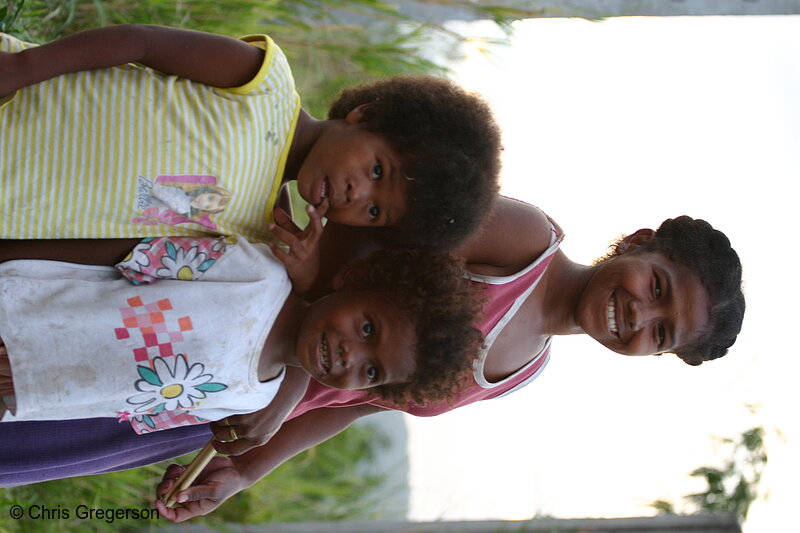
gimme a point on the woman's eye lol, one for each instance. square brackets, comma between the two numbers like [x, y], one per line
[367, 329]
[372, 373]
[661, 335]
[657, 290]
[373, 212]
[377, 171]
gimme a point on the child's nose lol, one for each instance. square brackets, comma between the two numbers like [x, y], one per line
[348, 364]
[357, 190]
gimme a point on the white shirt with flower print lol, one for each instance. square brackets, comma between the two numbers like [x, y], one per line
[84, 342]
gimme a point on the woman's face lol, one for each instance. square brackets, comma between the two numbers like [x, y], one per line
[643, 303]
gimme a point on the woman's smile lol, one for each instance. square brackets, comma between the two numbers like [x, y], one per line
[643, 303]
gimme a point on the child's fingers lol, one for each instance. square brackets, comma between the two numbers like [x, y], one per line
[226, 430]
[166, 512]
[172, 473]
[321, 209]
[237, 447]
[283, 220]
[315, 215]
[284, 236]
[281, 255]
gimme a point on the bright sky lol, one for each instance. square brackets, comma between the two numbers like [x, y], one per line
[612, 126]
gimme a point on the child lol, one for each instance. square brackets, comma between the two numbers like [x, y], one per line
[92, 146]
[174, 353]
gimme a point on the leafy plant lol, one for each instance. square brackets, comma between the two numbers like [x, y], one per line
[733, 487]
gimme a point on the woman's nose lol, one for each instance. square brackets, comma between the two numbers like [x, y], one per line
[641, 314]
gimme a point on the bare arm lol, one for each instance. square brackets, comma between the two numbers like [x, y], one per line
[514, 235]
[106, 252]
[211, 59]
[225, 476]
[257, 428]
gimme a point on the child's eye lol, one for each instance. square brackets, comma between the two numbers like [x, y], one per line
[373, 212]
[657, 289]
[367, 329]
[372, 373]
[377, 171]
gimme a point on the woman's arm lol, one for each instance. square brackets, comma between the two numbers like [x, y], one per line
[207, 58]
[225, 476]
[513, 236]
[106, 252]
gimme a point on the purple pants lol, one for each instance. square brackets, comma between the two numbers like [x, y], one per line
[31, 452]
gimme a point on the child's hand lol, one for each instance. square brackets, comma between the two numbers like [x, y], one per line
[218, 481]
[302, 259]
[255, 429]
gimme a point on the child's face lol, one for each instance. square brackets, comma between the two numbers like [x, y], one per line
[357, 340]
[359, 173]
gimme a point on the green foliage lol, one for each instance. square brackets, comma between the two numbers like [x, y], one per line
[731, 488]
[132, 489]
[329, 43]
[324, 483]
[327, 483]
[9, 14]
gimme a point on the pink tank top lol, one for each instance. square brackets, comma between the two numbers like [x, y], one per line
[505, 296]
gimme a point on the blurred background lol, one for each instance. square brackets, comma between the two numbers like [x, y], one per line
[611, 122]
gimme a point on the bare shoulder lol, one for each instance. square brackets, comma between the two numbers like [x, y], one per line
[514, 235]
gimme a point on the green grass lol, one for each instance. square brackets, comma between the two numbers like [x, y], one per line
[324, 483]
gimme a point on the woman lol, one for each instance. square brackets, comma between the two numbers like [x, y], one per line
[634, 303]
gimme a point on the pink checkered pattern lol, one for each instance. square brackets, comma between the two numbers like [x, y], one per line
[150, 321]
[165, 420]
[159, 333]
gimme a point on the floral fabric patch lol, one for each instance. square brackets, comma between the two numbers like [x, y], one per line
[181, 258]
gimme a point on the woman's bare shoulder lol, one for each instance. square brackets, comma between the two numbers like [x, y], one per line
[514, 235]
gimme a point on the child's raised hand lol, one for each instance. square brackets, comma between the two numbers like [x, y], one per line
[302, 258]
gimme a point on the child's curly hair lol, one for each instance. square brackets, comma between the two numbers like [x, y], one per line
[431, 290]
[450, 145]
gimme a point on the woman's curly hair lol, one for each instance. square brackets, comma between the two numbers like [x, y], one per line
[695, 244]
[450, 145]
[431, 290]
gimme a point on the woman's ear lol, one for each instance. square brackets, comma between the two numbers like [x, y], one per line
[635, 240]
[358, 114]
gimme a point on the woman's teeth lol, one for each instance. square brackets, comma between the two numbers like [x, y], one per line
[612, 321]
[326, 357]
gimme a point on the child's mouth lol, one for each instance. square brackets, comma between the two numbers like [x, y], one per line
[323, 189]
